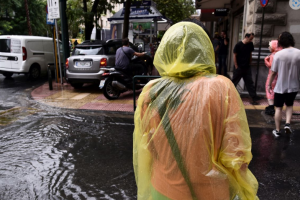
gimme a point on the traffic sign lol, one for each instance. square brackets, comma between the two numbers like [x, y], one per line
[221, 11]
[53, 9]
[295, 4]
[264, 3]
[50, 21]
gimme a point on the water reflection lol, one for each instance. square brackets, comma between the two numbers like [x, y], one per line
[275, 164]
[66, 156]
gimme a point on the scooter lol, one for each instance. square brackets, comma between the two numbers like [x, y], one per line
[114, 81]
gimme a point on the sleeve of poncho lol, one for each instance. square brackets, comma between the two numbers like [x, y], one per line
[235, 152]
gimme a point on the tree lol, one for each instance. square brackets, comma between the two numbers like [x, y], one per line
[15, 22]
[126, 19]
[7, 14]
[176, 10]
[91, 9]
[28, 18]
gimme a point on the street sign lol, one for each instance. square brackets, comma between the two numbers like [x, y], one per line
[53, 9]
[295, 4]
[50, 21]
[221, 11]
[264, 3]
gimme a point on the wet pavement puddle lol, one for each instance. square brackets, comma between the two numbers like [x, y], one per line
[10, 115]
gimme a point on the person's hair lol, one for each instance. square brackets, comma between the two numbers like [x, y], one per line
[125, 41]
[198, 23]
[247, 35]
[286, 40]
[224, 32]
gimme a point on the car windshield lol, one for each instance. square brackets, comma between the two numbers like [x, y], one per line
[87, 50]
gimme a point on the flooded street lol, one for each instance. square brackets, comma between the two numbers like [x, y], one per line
[54, 153]
[47, 153]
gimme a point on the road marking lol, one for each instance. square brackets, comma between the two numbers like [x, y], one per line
[80, 96]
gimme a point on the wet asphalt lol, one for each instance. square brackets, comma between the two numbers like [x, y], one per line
[53, 153]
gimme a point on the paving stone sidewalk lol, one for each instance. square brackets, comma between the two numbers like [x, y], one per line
[90, 97]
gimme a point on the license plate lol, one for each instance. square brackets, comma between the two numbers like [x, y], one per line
[83, 64]
[3, 58]
[102, 82]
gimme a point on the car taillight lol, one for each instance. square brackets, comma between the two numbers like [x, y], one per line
[67, 63]
[103, 62]
[105, 74]
[24, 53]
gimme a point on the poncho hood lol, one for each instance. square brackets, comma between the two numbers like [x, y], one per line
[185, 51]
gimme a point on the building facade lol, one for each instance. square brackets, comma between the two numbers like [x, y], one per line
[245, 16]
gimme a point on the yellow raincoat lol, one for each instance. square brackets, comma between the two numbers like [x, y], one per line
[191, 137]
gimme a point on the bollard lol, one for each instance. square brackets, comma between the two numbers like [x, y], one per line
[49, 77]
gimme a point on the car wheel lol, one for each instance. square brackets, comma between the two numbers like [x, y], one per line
[7, 74]
[34, 72]
[109, 91]
[76, 85]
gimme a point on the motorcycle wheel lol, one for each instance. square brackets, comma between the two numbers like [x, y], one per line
[109, 91]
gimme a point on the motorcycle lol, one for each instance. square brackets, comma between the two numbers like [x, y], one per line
[115, 81]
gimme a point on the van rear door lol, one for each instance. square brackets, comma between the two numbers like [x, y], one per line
[16, 53]
[5, 62]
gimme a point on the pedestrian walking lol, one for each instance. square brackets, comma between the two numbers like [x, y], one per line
[286, 64]
[215, 42]
[75, 43]
[191, 137]
[242, 60]
[222, 49]
[273, 47]
[70, 45]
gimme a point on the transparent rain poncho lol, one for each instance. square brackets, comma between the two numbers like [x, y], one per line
[191, 137]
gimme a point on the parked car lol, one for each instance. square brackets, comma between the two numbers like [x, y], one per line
[25, 54]
[87, 59]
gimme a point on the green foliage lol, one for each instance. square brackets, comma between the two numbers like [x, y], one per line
[79, 16]
[160, 34]
[176, 10]
[13, 17]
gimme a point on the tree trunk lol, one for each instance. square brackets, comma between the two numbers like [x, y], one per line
[28, 19]
[88, 27]
[89, 19]
[126, 19]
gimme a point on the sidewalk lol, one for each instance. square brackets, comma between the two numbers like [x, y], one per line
[90, 97]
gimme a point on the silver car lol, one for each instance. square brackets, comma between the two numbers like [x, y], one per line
[87, 59]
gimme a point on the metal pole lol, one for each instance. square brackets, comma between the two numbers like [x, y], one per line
[259, 50]
[58, 49]
[55, 55]
[64, 30]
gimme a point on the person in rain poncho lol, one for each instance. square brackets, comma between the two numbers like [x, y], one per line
[191, 137]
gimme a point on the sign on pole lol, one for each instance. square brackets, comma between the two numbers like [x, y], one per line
[295, 4]
[264, 3]
[50, 21]
[53, 9]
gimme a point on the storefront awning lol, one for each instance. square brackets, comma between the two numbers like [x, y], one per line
[212, 4]
[137, 15]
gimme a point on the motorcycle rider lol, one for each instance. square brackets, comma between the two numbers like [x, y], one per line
[123, 59]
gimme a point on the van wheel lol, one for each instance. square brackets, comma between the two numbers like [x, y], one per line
[34, 72]
[76, 85]
[7, 74]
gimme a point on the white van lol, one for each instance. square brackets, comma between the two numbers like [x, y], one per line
[25, 54]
